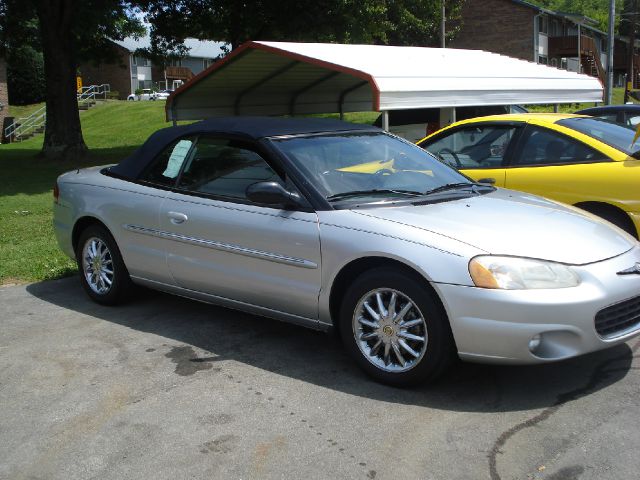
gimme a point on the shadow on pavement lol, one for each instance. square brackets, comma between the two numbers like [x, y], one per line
[318, 358]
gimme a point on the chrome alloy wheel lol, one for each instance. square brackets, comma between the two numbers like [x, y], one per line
[390, 330]
[97, 265]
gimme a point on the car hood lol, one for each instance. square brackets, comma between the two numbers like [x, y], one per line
[506, 222]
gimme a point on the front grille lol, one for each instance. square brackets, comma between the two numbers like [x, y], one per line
[618, 317]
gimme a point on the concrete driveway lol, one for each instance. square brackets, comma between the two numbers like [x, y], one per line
[169, 388]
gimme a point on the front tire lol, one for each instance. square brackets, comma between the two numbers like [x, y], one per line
[394, 329]
[103, 273]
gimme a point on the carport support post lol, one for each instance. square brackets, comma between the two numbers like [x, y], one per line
[173, 115]
[385, 120]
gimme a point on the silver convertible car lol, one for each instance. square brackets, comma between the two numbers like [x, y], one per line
[329, 224]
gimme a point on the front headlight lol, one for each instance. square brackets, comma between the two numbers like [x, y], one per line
[512, 273]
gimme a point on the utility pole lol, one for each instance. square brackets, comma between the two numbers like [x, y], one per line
[609, 80]
[443, 19]
[630, 83]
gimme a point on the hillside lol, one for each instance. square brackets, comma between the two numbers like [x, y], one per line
[596, 9]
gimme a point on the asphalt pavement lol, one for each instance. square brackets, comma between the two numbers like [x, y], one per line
[168, 388]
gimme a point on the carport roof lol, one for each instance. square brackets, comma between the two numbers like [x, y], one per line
[282, 78]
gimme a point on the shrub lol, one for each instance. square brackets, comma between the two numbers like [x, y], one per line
[25, 76]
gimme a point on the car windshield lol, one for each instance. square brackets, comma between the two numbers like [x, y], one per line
[370, 166]
[612, 134]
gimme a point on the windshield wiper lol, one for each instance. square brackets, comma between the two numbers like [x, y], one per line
[454, 186]
[374, 191]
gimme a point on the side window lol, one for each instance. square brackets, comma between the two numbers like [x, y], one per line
[165, 168]
[224, 167]
[632, 119]
[483, 146]
[544, 147]
[609, 117]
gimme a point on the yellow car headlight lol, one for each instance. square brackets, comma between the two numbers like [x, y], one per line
[513, 273]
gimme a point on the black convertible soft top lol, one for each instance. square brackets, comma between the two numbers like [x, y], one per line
[252, 128]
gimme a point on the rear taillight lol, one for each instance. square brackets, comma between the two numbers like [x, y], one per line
[56, 192]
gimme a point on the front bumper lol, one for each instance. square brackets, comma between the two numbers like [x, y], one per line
[496, 326]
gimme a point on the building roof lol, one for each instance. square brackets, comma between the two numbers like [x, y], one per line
[281, 78]
[197, 48]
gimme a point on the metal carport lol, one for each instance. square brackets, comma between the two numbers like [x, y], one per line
[281, 78]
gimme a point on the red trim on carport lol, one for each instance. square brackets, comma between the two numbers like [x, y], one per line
[285, 53]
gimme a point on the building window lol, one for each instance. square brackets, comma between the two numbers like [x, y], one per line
[146, 84]
[543, 24]
[141, 61]
[207, 62]
[174, 62]
[555, 28]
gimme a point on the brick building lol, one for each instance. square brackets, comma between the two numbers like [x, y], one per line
[522, 30]
[116, 74]
[132, 71]
[499, 26]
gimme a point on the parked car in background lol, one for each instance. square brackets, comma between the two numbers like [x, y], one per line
[163, 94]
[328, 224]
[625, 115]
[417, 123]
[145, 94]
[579, 160]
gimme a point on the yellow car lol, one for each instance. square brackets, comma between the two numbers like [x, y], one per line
[575, 159]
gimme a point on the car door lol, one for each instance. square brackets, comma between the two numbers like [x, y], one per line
[480, 151]
[554, 165]
[136, 206]
[222, 244]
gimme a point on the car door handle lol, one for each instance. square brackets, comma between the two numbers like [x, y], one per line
[490, 181]
[177, 217]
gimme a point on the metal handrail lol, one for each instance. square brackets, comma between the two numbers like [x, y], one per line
[94, 90]
[91, 92]
[24, 125]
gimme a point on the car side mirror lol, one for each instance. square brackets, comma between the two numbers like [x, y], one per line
[487, 181]
[272, 193]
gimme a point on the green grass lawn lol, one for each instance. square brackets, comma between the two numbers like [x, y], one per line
[28, 250]
[112, 130]
[20, 111]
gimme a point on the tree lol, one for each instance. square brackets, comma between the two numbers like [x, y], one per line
[417, 22]
[234, 22]
[596, 9]
[68, 30]
[392, 22]
[25, 75]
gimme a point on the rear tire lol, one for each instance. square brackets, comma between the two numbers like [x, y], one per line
[394, 329]
[103, 274]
